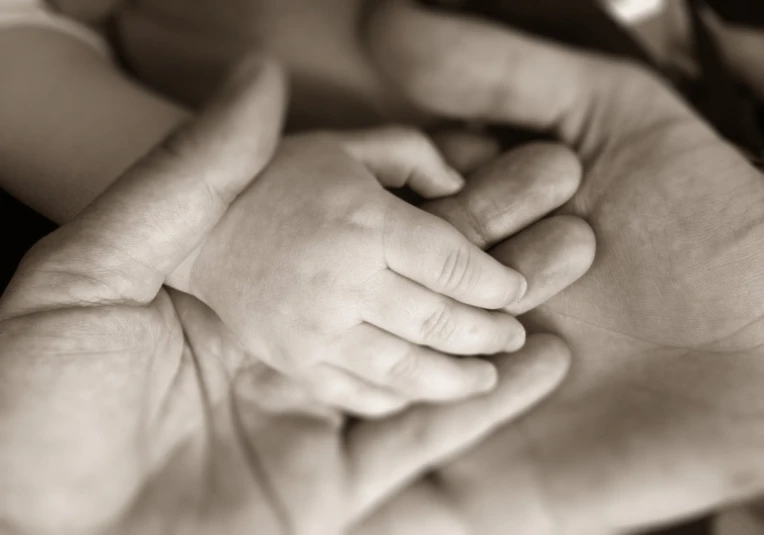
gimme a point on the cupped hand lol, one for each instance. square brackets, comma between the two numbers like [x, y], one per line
[128, 408]
[663, 414]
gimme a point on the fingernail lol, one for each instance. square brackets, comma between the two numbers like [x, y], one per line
[456, 178]
[486, 377]
[520, 285]
[516, 342]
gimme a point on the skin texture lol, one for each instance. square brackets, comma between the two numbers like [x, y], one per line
[656, 434]
[663, 414]
[378, 295]
[129, 408]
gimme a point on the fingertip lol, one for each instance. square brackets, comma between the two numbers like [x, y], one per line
[437, 183]
[550, 165]
[539, 367]
[478, 377]
[517, 287]
[465, 378]
[562, 165]
[556, 252]
[455, 179]
[554, 359]
[499, 286]
[517, 339]
[486, 377]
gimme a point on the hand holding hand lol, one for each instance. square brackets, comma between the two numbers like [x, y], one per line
[126, 408]
[663, 414]
[329, 278]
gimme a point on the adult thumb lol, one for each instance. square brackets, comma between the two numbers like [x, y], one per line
[122, 246]
[472, 69]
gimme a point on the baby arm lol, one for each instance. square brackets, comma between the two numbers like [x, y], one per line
[71, 122]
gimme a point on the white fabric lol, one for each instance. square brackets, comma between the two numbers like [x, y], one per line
[15, 13]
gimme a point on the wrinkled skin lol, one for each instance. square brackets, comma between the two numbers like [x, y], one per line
[663, 414]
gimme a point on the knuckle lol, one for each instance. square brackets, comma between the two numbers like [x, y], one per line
[439, 325]
[457, 271]
[361, 219]
[579, 239]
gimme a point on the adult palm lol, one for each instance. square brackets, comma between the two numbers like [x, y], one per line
[663, 414]
[129, 408]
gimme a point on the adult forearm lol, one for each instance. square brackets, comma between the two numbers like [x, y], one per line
[70, 122]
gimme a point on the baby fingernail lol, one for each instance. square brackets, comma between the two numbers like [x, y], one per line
[516, 341]
[455, 178]
[486, 377]
[520, 285]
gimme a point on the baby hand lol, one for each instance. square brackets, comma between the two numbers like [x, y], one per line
[328, 277]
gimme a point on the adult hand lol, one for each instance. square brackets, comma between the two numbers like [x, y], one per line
[130, 409]
[663, 415]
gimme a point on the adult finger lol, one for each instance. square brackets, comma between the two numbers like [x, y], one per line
[466, 68]
[429, 251]
[466, 150]
[385, 455]
[415, 372]
[515, 190]
[406, 309]
[122, 247]
[555, 252]
[400, 156]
